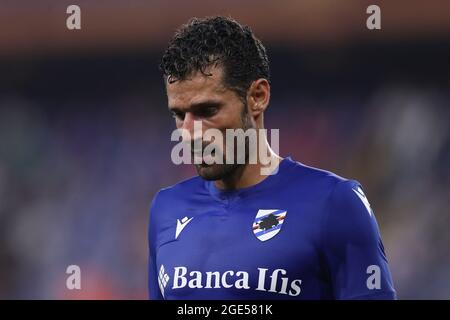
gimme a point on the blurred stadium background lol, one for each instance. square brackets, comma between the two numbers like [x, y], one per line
[85, 135]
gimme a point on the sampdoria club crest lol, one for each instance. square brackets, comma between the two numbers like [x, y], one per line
[268, 223]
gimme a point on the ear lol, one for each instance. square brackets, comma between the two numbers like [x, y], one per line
[258, 97]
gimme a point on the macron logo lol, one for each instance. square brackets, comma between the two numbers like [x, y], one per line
[364, 200]
[181, 225]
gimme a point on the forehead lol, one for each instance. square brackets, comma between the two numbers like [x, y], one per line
[196, 88]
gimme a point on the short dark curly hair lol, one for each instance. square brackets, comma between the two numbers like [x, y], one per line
[218, 40]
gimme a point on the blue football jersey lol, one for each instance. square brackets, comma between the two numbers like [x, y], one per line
[302, 233]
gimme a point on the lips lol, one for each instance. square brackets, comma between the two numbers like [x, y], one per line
[199, 156]
[199, 159]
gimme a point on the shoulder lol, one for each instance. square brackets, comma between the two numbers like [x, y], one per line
[348, 217]
[335, 197]
[170, 201]
[316, 181]
[166, 196]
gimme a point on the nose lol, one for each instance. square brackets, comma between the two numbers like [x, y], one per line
[188, 123]
[192, 125]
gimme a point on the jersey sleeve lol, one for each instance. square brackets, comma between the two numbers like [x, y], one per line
[153, 287]
[354, 251]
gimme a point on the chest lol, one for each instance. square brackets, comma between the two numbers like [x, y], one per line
[239, 247]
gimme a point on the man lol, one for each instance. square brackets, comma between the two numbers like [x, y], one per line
[233, 232]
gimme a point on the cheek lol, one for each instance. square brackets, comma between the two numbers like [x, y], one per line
[229, 117]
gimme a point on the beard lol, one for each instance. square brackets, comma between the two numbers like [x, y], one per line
[225, 171]
[214, 172]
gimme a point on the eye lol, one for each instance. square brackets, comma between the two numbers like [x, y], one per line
[178, 115]
[207, 112]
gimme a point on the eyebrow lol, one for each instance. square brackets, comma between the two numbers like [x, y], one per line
[197, 106]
